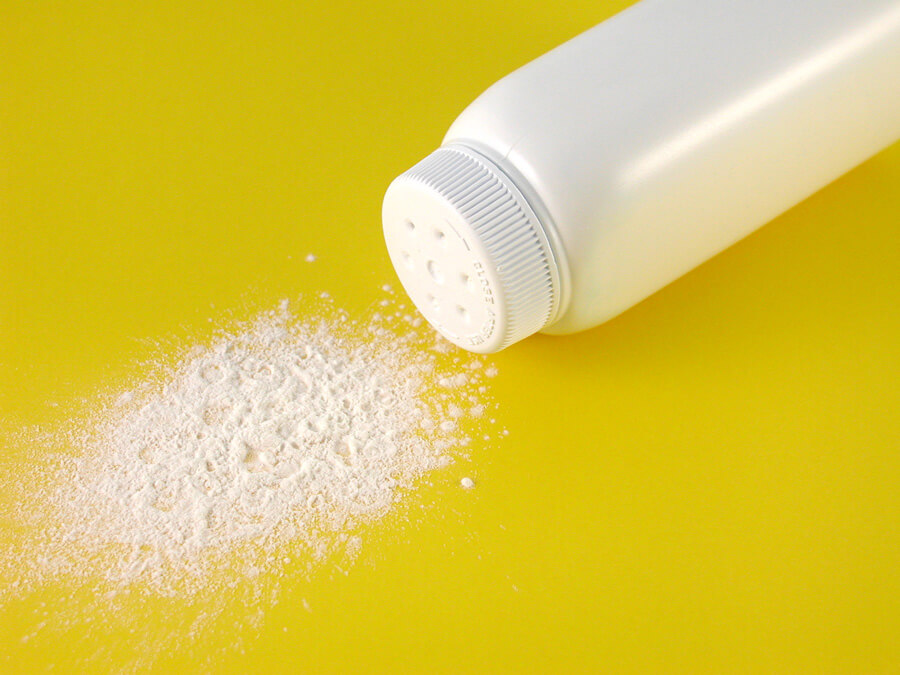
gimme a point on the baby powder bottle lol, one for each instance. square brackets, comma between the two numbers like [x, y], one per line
[595, 175]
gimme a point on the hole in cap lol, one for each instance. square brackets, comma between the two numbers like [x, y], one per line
[463, 313]
[468, 282]
[407, 259]
[410, 226]
[435, 271]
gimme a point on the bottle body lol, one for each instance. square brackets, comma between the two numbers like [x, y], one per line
[656, 139]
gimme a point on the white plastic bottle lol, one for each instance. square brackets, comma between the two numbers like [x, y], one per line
[600, 172]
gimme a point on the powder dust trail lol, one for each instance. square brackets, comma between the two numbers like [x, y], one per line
[278, 442]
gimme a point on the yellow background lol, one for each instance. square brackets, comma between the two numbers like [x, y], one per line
[710, 482]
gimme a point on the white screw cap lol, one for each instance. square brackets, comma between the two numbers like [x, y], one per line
[470, 251]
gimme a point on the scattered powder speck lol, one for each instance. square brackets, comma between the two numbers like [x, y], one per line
[275, 444]
[310, 257]
[467, 483]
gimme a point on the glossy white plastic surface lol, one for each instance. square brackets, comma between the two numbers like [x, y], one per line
[660, 137]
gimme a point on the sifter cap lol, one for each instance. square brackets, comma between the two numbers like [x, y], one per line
[470, 251]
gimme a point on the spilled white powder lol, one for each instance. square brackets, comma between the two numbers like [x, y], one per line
[275, 442]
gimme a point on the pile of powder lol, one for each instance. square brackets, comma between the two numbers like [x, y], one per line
[276, 441]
